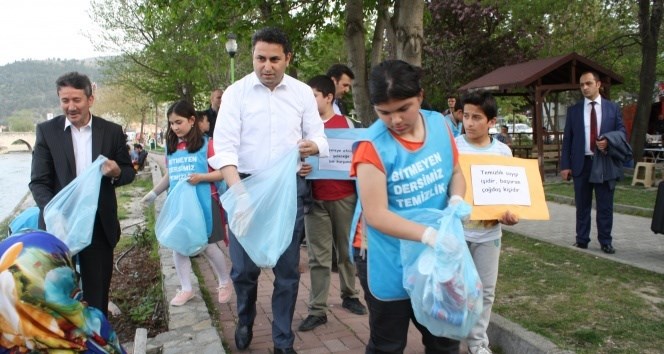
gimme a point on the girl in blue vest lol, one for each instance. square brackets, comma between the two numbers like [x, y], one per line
[407, 159]
[186, 157]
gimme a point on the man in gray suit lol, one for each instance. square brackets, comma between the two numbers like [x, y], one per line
[65, 146]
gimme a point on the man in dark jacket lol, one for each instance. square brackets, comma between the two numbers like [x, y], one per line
[587, 123]
[213, 111]
[65, 146]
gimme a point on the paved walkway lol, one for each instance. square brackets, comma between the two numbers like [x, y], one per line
[345, 332]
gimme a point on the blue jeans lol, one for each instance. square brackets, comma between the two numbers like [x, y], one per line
[286, 281]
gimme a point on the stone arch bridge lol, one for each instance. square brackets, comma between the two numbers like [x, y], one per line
[9, 138]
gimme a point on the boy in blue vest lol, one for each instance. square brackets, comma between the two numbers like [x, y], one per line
[328, 224]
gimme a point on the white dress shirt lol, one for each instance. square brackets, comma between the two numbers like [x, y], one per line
[82, 141]
[335, 107]
[257, 126]
[586, 119]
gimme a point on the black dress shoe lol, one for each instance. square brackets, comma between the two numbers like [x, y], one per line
[312, 322]
[581, 245]
[243, 336]
[608, 249]
[354, 305]
[284, 351]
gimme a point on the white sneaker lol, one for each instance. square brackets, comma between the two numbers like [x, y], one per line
[182, 297]
[225, 292]
[480, 349]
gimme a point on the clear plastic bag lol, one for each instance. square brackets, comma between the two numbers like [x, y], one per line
[444, 287]
[70, 215]
[262, 209]
[180, 225]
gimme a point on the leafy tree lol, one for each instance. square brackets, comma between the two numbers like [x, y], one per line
[396, 34]
[163, 53]
[22, 121]
[650, 22]
[124, 105]
[465, 40]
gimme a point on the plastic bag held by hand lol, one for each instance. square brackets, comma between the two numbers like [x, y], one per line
[262, 209]
[70, 215]
[443, 284]
[181, 222]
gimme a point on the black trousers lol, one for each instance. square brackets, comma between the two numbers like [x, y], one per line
[96, 269]
[389, 321]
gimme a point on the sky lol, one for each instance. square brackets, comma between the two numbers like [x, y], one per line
[42, 29]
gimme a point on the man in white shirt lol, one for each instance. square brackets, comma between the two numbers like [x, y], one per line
[265, 114]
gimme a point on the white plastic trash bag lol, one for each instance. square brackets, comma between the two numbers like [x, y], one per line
[262, 209]
[70, 215]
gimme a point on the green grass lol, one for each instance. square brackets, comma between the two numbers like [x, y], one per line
[580, 302]
[126, 193]
[625, 194]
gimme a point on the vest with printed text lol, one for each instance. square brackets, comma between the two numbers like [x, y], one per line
[181, 164]
[415, 179]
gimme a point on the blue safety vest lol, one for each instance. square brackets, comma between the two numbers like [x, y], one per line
[181, 164]
[415, 179]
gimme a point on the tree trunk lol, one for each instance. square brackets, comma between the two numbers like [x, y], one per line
[408, 26]
[354, 38]
[649, 25]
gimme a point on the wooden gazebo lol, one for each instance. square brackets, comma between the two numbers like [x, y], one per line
[537, 78]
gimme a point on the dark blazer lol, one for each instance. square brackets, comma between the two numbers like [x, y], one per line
[574, 136]
[609, 167]
[53, 167]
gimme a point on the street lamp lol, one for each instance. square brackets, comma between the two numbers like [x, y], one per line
[231, 48]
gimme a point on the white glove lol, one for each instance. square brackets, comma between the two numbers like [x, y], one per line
[455, 199]
[149, 198]
[429, 237]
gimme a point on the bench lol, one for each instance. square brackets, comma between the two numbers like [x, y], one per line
[550, 158]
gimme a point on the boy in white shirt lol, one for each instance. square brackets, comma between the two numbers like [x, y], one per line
[483, 236]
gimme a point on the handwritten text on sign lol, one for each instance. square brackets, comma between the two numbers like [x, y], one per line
[341, 151]
[494, 185]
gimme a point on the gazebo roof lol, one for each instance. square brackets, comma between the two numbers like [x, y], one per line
[560, 70]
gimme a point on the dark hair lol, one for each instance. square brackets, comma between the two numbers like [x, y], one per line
[138, 146]
[200, 115]
[458, 105]
[593, 73]
[394, 79]
[323, 84]
[504, 127]
[271, 35]
[75, 80]
[338, 70]
[195, 136]
[484, 100]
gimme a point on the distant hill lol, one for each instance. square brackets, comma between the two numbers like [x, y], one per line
[30, 84]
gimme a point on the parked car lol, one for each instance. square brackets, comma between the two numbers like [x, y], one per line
[519, 128]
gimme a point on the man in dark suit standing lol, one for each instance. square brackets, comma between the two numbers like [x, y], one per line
[65, 146]
[587, 122]
[213, 110]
